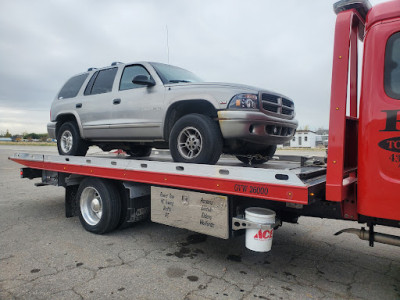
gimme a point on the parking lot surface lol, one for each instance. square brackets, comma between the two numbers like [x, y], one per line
[44, 255]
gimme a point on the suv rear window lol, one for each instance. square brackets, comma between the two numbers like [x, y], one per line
[72, 86]
[101, 82]
[392, 67]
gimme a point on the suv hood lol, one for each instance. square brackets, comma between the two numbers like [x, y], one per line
[216, 85]
[219, 93]
[233, 87]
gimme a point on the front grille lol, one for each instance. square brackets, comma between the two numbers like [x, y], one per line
[287, 111]
[277, 104]
[270, 107]
[269, 98]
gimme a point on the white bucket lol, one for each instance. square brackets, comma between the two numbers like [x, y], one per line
[259, 240]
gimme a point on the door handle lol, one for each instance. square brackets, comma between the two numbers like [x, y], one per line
[78, 105]
[117, 101]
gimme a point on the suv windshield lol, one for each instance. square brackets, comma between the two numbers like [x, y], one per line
[171, 74]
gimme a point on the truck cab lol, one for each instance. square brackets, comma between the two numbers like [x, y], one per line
[364, 146]
[379, 140]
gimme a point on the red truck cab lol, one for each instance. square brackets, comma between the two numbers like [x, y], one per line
[364, 146]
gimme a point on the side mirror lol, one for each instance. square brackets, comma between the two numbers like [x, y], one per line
[144, 80]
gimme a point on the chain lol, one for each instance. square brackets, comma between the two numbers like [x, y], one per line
[253, 156]
[316, 161]
[250, 157]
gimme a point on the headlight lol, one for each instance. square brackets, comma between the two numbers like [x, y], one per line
[243, 101]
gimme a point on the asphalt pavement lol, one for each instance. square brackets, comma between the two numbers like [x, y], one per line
[44, 255]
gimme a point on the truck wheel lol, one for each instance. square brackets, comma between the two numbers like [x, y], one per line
[139, 151]
[69, 141]
[99, 205]
[259, 158]
[197, 139]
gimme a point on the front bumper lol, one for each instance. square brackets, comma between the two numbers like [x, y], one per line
[255, 127]
[51, 130]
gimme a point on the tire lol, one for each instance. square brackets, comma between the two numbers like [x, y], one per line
[99, 205]
[69, 141]
[196, 139]
[139, 151]
[266, 155]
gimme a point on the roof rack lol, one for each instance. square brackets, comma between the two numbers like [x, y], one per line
[116, 63]
[91, 69]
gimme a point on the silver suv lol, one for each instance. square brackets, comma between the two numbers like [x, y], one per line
[144, 105]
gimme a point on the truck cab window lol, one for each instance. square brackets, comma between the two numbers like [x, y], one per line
[392, 67]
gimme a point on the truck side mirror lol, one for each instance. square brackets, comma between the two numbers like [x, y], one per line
[144, 80]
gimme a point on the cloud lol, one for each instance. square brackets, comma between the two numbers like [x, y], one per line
[285, 46]
[17, 121]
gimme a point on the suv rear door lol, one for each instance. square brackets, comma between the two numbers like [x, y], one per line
[95, 108]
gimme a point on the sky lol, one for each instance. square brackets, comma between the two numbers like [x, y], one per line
[283, 46]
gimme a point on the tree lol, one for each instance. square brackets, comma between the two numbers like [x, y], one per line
[31, 136]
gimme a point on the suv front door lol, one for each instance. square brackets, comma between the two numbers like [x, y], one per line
[139, 113]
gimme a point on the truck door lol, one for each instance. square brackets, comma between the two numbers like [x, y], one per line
[379, 139]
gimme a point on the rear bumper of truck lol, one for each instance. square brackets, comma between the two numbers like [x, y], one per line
[255, 127]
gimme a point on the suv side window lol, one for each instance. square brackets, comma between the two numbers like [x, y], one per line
[129, 73]
[89, 86]
[392, 67]
[101, 82]
[72, 86]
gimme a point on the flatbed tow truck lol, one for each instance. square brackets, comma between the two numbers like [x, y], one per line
[359, 182]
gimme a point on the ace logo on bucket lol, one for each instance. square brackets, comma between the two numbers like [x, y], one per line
[264, 235]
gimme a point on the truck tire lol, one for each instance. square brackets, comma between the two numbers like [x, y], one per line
[196, 139]
[99, 205]
[69, 141]
[139, 151]
[259, 158]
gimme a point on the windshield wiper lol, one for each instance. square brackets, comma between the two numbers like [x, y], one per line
[178, 80]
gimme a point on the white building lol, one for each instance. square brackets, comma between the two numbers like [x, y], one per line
[305, 139]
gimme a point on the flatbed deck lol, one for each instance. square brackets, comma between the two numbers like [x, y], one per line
[279, 180]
